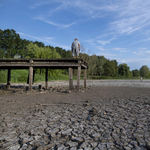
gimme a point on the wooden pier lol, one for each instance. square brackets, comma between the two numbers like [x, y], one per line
[32, 63]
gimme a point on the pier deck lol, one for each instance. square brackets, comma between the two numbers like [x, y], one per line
[32, 63]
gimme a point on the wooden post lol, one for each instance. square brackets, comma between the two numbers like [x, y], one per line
[70, 78]
[8, 78]
[46, 79]
[30, 76]
[85, 78]
[78, 76]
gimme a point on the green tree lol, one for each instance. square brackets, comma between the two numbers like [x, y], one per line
[116, 67]
[23, 48]
[109, 68]
[2, 53]
[136, 73]
[101, 61]
[144, 71]
[93, 65]
[130, 74]
[33, 51]
[39, 44]
[123, 70]
[10, 42]
[63, 53]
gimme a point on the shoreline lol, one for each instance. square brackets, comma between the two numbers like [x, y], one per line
[109, 82]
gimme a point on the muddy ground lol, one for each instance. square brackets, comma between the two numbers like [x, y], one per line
[99, 117]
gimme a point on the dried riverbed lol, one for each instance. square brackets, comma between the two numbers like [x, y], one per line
[107, 115]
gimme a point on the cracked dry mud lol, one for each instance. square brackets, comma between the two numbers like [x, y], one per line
[100, 118]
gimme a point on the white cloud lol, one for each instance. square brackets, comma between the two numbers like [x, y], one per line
[39, 3]
[105, 42]
[47, 40]
[127, 16]
[120, 49]
[132, 15]
[142, 52]
[54, 23]
[107, 55]
[43, 39]
[102, 49]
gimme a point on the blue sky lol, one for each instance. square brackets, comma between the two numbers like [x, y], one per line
[116, 29]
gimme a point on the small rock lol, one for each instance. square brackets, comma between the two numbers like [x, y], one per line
[95, 135]
[77, 139]
[71, 144]
[67, 132]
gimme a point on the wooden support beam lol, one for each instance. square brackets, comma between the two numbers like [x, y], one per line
[85, 78]
[70, 78]
[46, 79]
[78, 77]
[30, 76]
[8, 78]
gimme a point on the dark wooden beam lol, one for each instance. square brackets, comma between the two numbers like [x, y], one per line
[85, 78]
[78, 76]
[39, 64]
[30, 76]
[46, 79]
[8, 78]
[70, 78]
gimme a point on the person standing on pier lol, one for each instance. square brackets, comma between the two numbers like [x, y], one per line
[75, 48]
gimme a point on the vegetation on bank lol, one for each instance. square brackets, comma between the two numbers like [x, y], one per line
[21, 76]
[99, 67]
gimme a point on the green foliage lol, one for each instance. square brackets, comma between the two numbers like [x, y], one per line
[124, 70]
[19, 75]
[3, 76]
[34, 51]
[63, 53]
[130, 74]
[22, 76]
[100, 67]
[2, 55]
[93, 62]
[136, 73]
[109, 68]
[10, 42]
[144, 71]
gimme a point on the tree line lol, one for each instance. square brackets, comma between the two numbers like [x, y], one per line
[12, 46]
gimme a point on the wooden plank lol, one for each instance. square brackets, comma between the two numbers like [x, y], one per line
[84, 66]
[70, 78]
[30, 76]
[39, 64]
[46, 79]
[43, 60]
[85, 78]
